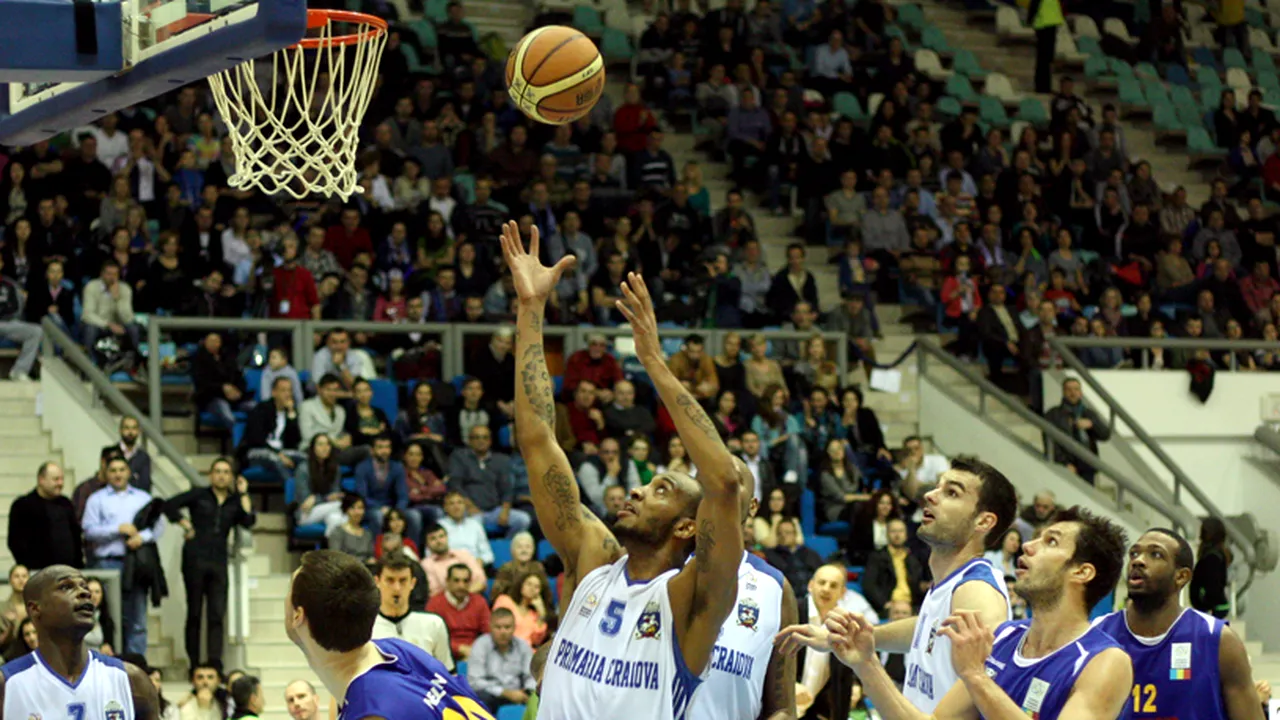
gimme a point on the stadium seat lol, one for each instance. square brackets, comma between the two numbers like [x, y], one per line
[1085, 27]
[312, 532]
[1115, 26]
[1031, 110]
[545, 550]
[1177, 74]
[1009, 25]
[999, 86]
[928, 63]
[808, 513]
[1208, 81]
[1233, 58]
[1205, 59]
[588, 20]
[252, 381]
[461, 668]
[1131, 93]
[510, 712]
[501, 551]
[1065, 49]
[616, 46]
[1096, 67]
[1238, 80]
[1199, 141]
[949, 107]
[911, 16]
[966, 64]
[823, 545]
[386, 397]
[932, 38]
[1263, 46]
[958, 87]
[1089, 46]
[836, 529]
[426, 33]
[991, 111]
[847, 104]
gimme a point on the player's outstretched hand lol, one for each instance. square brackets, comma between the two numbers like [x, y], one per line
[637, 307]
[791, 639]
[532, 279]
[971, 642]
[853, 638]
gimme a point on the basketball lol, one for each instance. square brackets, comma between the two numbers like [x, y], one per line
[555, 75]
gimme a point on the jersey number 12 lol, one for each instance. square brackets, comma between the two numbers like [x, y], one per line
[1144, 698]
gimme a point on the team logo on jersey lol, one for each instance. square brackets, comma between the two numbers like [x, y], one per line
[589, 606]
[748, 613]
[113, 711]
[1180, 661]
[650, 623]
[933, 635]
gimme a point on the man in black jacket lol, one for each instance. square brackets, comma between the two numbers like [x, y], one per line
[48, 297]
[13, 326]
[43, 529]
[893, 572]
[219, 383]
[998, 330]
[1079, 421]
[272, 436]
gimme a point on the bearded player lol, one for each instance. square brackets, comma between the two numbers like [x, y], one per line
[970, 510]
[641, 627]
[1055, 666]
[63, 678]
[1186, 664]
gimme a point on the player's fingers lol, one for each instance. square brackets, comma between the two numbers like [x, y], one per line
[949, 632]
[566, 264]
[627, 292]
[533, 241]
[626, 312]
[643, 289]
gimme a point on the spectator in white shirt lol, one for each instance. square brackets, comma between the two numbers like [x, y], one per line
[466, 532]
[442, 201]
[235, 245]
[112, 143]
[831, 64]
[338, 358]
[919, 470]
[377, 188]
[108, 308]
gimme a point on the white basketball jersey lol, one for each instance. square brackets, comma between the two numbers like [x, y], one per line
[741, 657]
[615, 654]
[32, 690]
[929, 671]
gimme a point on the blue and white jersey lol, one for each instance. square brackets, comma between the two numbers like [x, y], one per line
[409, 684]
[616, 654]
[1041, 686]
[32, 690]
[929, 673]
[1175, 675]
[740, 661]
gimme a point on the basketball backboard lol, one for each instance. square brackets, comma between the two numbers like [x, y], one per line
[64, 64]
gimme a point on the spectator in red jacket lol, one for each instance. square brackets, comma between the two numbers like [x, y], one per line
[596, 365]
[633, 121]
[294, 295]
[962, 300]
[1258, 288]
[465, 613]
[347, 240]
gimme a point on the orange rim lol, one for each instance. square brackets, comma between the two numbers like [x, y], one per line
[374, 27]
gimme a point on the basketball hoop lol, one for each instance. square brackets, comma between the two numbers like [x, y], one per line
[299, 132]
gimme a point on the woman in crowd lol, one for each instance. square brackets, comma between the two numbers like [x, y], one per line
[351, 537]
[521, 563]
[24, 640]
[317, 482]
[762, 371]
[1005, 557]
[840, 483]
[1210, 578]
[640, 465]
[779, 432]
[395, 523]
[677, 459]
[729, 369]
[726, 417]
[775, 510]
[103, 634]
[426, 489]
[534, 610]
[422, 422]
[14, 610]
[862, 429]
[815, 369]
[364, 421]
[871, 526]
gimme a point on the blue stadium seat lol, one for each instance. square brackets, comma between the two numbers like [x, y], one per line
[837, 529]
[461, 668]
[808, 503]
[511, 712]
[386, 397]
[823, 545]
[557, 384]
[253, 382]
[257, 474]
[504, 436]
[501, 551]
[314, 531]
[545, 550]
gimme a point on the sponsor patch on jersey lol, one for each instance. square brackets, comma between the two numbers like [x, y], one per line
[1180, 656]
[933, 635]
[748, 613]
[113, 710]
[1035, 698]
[650, 623]
[751, 582]
[589, 606]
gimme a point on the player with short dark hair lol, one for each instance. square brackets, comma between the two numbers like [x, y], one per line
[1055, 665]
[1185, 663]
[64, 678]
[330, 610]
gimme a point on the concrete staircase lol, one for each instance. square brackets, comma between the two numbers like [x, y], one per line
[1017, 62]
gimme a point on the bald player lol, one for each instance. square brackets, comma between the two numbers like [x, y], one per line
[640, 630]
[63, 678]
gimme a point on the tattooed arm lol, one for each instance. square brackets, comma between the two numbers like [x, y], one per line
[705, 591]
[578, 536]
[780, 680]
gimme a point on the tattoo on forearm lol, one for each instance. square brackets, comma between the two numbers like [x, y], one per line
[692, 410]
[706, 543]
[536, 383]
[560, 487]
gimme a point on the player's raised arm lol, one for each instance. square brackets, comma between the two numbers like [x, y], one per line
[707, 588]
[146, 701]
[779, 696]
[581, 540]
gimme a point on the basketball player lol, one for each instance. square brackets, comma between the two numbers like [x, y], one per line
[970, 510]
[750, 677]
[329, 613]
[1186, 664]
[1054, 666]
[641, 627]
[63, 678]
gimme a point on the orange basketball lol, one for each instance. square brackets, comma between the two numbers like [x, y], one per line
[555, 75]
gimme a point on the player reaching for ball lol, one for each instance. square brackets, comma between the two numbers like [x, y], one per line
[641, 626]
[1053, 667]
[1186, 664]
[63, 678]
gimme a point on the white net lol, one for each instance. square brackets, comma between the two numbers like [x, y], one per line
[295, 129]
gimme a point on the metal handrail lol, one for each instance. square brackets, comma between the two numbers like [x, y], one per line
[929, 349]
[1180, 479]
[58, 341]
[1268, 437]
[1170, 343]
